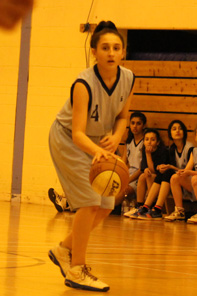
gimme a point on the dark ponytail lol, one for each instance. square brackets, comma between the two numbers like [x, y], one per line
[105, 25]
[104, 28]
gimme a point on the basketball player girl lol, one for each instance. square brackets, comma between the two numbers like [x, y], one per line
[154, 153]
[132, 155]
[178, 157]
[184, 181]
[99, 102]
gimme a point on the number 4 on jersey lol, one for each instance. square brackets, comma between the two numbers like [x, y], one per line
[95, 113]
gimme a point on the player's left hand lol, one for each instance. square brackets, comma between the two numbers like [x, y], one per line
[109, 143]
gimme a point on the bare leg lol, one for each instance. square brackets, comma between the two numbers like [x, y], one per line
[163, 193]
[141, 188]
[194, 185]
[150, 180]
[100, 216]
[85, 220]
[154, 190]
[177, 182]
[82, 226]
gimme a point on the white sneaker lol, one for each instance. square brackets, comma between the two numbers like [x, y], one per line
[59, 201]
[192, 219]
[129, 213]
[61, 257]
[178, 214]
[79, 277]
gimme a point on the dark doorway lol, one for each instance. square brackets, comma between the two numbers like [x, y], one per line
[167, 45]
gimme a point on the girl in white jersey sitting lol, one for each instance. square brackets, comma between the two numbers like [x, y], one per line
[99, 103]
[184, 179]
[132, 155]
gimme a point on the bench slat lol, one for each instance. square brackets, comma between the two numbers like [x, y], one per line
[164, 103]
[165, 86]
[162, 68]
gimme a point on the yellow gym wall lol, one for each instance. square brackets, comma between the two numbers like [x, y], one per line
[151, 14]
[57, 55]
[9, 61]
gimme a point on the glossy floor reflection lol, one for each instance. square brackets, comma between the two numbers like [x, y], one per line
[133, 257]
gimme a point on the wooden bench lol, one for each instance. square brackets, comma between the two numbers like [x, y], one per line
[164, 91]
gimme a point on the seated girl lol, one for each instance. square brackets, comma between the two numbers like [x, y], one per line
[154, 153]
[178, 157]
[132, 155]
[185, 180]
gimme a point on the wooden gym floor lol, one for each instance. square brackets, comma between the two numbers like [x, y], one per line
[133, 257]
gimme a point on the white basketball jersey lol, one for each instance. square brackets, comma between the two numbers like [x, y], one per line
[134, 154]
[182, 160]
[104, 104]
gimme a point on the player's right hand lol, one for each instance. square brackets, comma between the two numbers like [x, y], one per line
[103, 153]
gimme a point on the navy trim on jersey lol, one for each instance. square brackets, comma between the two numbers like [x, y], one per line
[109, 91]
[138, 142]
[180, 153]
[189, 152]
[88, 89]
[132, 82]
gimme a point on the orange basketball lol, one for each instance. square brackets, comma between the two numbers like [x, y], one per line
[109, 176]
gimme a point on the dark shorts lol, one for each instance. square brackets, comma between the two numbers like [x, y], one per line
[165, 177]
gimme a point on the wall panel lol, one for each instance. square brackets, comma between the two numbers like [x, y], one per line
[9, 52]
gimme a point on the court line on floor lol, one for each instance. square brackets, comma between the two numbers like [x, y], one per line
[142, 267]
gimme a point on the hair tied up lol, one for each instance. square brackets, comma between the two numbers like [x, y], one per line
[105, 25]
[102, 28]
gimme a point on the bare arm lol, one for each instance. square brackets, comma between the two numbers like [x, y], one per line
[135, 176]
[170, 166]
[190, 163]
[164, 167]
[149, 159]
[188, 171]
[124, 154]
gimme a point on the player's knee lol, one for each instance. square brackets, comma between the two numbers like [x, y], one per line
[142, 177]
[174, 179]
[94, 209]
[106, 212]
